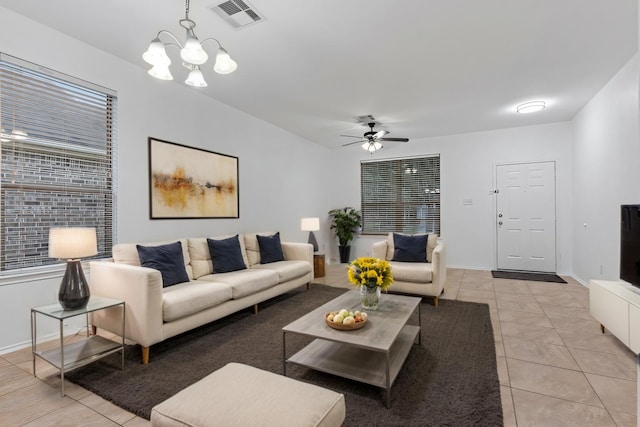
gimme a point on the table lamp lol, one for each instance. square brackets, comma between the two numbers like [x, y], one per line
[72, 244]
[311, 225]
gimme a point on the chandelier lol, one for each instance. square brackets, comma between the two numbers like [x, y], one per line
[191, 52]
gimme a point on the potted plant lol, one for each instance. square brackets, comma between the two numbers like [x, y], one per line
[345, 222]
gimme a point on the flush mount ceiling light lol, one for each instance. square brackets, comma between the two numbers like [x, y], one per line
[530, 107]
[191, 52]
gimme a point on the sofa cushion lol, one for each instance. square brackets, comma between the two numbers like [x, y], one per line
[192, 297]
[127, 253]
[412, 272]
[270, 248]
[226, 254]
[287, 270]
[201, 257]
[167, 259]
[252, 246]
[409, 248]
[432, 242]
[244, 282]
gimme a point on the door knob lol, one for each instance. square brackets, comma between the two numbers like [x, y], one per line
[499, 215]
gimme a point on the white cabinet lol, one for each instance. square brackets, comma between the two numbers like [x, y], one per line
[616, 305]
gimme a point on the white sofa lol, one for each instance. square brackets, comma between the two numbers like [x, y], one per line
[154, 313]
[417, 278]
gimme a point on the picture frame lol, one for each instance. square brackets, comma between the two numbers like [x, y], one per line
[190, 183]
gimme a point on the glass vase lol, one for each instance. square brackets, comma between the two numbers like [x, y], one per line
[370, 297]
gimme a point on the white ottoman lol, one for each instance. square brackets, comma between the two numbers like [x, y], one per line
[241, 395]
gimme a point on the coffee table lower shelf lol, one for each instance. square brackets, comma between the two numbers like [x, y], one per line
[378, 368]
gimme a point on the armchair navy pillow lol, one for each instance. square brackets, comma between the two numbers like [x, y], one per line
[226, 255]
[167, 259]
[270, 248]
[410, 248]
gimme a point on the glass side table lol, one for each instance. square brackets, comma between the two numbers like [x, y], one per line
[80, 352]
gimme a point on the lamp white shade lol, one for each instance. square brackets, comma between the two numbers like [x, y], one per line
[193, 53]
[156, 54]
[310, 224]
[72, 242]
[196, 78]
[224, 64]
[161, 72]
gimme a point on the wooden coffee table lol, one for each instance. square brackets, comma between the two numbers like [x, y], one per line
[373, 354]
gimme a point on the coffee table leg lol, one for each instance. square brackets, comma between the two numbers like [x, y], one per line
[388, 381]
[284, 354]
[419, 325]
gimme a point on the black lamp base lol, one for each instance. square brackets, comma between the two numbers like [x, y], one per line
[313, 241]
[74, 291]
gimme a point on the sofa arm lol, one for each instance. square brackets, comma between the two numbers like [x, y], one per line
[379, 250]
[439, 267]
[140, 288]
[298, 251]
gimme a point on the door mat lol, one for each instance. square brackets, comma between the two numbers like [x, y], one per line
[523, 275]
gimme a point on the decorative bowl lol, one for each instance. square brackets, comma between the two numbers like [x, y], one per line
[341, 326]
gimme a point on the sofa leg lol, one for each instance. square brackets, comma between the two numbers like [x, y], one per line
[255, 308]
[94, 330]
[145, 355]
[435, 301]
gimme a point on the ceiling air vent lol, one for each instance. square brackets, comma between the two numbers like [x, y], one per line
[238, 13]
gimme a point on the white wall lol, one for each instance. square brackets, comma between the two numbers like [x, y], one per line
[274, 164]
[467, 172]
[606, 173]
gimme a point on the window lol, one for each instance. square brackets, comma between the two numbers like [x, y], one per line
[401, 195]
[58, 151]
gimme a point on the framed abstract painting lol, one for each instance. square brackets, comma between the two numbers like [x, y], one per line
[187, 182]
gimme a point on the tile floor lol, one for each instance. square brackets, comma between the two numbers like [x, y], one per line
[555, 367]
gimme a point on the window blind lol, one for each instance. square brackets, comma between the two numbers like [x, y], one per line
[401, 195]
[58, 161]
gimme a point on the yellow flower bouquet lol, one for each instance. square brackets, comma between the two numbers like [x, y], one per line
[370, 272]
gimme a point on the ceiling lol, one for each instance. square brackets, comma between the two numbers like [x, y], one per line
[422, 68]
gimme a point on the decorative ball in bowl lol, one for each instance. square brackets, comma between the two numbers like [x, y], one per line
[346, 320]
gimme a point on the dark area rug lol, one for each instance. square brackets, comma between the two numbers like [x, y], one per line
[450, 379]
[524, 275]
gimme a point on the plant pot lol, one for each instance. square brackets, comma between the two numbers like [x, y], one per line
[344, 253]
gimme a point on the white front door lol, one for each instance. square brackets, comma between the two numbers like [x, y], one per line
[526, 216]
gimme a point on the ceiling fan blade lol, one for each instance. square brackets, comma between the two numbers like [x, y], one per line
[356, 142]
[380, 134]
[351, 136]
[394, 139]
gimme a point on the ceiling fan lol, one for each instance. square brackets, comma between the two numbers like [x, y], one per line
[371, 139]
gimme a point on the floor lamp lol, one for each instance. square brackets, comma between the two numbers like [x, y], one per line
[311, 225]
[72, 244]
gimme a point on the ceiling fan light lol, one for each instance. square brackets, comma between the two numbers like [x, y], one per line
[192, 52]
[195, 78]
[371, 146]
[224, 64]
[156, 54]
[530, 107]
[160, 72]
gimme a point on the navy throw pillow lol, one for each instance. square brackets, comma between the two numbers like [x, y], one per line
[410, 248]
[226, 255]
[167, 259]
[270, 248]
